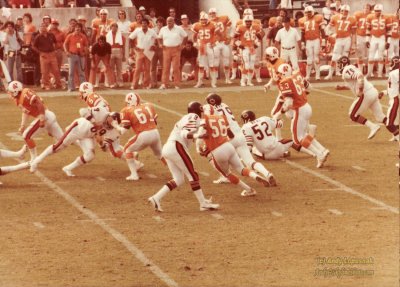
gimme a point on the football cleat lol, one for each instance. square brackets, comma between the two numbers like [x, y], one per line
[208, 205]
[221, 180]
[228, 81]
[271, 180]
[394, 138]
[247, 193]
[199, 85]
[68, 172]
[263, 180]
[155, 203]
[132, 177]
[373, 131]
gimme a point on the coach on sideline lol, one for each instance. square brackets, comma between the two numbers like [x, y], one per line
[171, 38]
[287, 39]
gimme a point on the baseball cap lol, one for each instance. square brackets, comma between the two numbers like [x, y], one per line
[184, 16]
[141, 8]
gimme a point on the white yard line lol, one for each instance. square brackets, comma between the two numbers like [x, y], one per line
[90, 220]
[217, 216]
[158, 218]
[131, 247]
[326, 189]
[277, 214]
[38, 225]
[100, 178]
[335, 211]
[150, 175]
[356, 167]
[204, 173]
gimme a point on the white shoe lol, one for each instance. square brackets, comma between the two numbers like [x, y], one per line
[373, 131]
[33, 167]
[246, 193]
[317, 78]
[162, 87]
[132, 177]
[221, 180]
[208, 205]
[271, 180]
[155, 203]
[394, 138]
[329, 77]
[227, 81]
[325, 155]
[68, 172]
[23, 151]
[250, 84]
[264, 181]
[320, 162]
[242, 83]
[259, 80]
[233, 77]
[213, 85]
[199, 85]
[177, 88]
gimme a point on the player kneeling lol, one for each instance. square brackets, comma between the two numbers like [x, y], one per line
[259, 133]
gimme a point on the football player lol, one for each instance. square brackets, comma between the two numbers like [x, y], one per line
[378, 38]
[392, 117]
[394, 37]
[259, 136]
[204, 35]
[32, 105]
[176, 154]
[215, 106]
[85, 130]
[142, 118]
[312, 27]
[293, 89]
[366, 96]
[361, 35]
[222, 40]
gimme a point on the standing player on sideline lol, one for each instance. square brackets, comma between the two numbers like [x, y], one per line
[259, 137]
[215, 106]
[361, 35]
[392, 120]
[249, 37]
[222, 39]
[176, 154]
[366, 96]
[344, 26]
[142, 118]
[394, 38]
[378, 39]
[204, 35]
[212, 139]
[84, 130]
[293, 88]
[32, 105]
[312, 27]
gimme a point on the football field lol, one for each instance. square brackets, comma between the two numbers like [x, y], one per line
[335, 226]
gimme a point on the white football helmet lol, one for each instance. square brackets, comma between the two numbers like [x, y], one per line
[99, 115]
[132, 99]
[284, 71]
[345, 9]
[85, 89]
[247, 11]
[212, 10]
[272, 53]
[309, 9]
[378, 7]
[248, 18]
[208, 109]
[14, 88]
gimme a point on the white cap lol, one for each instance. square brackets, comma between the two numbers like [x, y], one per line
[212, 10]
[345, 8]
[184, 16]
[103, 11]
[141, 8]
[378, 7]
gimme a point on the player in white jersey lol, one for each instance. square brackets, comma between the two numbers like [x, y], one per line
[216, 106]
[13, 154]
[86, 131]
[176, 154]
[366, 96]
[259, 136]
[392, 117]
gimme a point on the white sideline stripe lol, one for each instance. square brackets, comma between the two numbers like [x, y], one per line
[217, 216]
[204, 173]
[132, 248]
[343, 187]
[377, 208]
[150, 175]
[359, 125]
[100, 178]
[277, 214]
[341, 96]
[324, 189]
[90, 220]
[340, 185]
[356, 167]
[38, 225]
[158, 218]
[335, 211]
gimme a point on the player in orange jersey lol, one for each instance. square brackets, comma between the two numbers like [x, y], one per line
[222, 39]
[33, 105]
[212, 139]
[361, 35]
[102, 25]
[204, 37]
[248, 38]
[378, 38]
[312, 27]
[142, 118]
[344, 27]
[293, 88]
[394, 39]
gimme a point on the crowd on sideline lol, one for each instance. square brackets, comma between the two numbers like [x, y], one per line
[150, 51]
